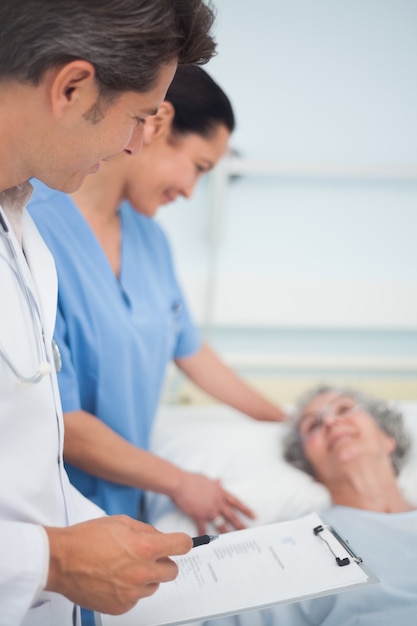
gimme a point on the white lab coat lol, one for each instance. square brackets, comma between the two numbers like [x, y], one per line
[34, 488]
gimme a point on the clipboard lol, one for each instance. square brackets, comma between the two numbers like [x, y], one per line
[252, 569]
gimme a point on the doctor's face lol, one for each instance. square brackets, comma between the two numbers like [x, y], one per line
[82, 142]
[170, 166]
[338, 433]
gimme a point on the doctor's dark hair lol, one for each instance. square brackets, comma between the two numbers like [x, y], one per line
[388, 418]
[127, 41]
[200, 104]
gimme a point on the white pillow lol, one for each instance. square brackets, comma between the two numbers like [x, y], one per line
[247, 456]
[408, 475]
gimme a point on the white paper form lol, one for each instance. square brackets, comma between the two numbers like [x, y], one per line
[247, 569]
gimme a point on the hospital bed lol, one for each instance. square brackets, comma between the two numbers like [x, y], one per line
[247, 456]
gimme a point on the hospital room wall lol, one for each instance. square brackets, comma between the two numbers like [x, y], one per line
[307, 258]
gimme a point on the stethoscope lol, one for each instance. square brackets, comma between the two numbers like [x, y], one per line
[44, 367]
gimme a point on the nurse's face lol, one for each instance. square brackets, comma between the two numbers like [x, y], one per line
[170, 166]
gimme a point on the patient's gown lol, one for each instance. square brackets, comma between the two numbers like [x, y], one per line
[388, 545]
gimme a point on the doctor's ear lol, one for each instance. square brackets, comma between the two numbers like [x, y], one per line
[73, 85]
[159, 124]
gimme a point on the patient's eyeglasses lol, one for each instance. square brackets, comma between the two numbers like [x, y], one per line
[311, 423]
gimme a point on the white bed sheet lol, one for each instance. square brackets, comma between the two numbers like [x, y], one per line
[247, 456]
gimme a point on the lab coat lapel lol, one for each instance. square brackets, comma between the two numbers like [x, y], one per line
[42, 275]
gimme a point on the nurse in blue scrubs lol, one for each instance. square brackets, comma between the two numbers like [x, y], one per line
[122, 316]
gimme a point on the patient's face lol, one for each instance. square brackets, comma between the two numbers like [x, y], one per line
[338, 433]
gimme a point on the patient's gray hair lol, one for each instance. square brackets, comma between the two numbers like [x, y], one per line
[389, 419]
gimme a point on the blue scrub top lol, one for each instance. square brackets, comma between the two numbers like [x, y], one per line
[116, 335]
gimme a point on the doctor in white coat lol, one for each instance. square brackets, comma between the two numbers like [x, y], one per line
[34, 488]
[66, 102]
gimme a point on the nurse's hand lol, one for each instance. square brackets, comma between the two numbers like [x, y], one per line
[205, 500]
[108, 564]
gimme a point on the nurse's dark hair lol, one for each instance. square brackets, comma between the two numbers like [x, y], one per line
[388, 418]
[200, 104]
[127, 41]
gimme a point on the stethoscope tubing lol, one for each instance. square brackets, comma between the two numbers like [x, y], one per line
[44, 366]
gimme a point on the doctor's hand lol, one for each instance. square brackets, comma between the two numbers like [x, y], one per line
[205, 500]
[108, 564]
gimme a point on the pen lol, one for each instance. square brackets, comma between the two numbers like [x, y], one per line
[202, 539]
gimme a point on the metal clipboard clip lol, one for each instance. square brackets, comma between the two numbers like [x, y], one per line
[318, 531]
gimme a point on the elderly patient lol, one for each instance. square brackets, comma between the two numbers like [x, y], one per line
[355, 446]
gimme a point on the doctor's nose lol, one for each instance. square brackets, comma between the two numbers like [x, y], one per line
[136, 141]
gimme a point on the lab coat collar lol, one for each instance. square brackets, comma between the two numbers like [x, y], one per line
[13, 202]
[33, 254]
